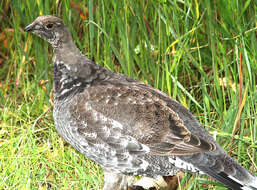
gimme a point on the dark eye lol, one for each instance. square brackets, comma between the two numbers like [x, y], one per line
[49, 26]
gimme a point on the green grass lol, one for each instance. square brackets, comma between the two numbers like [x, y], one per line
[202, 53]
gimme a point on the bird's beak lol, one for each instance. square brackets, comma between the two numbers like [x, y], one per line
[30, 27]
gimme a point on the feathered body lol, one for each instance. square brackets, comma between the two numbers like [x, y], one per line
[126, 126]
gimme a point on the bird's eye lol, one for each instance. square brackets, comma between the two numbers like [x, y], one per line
[49, 26]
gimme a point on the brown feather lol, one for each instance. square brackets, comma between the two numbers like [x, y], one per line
[163, 132]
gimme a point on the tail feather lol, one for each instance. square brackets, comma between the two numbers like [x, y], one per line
[229, 181]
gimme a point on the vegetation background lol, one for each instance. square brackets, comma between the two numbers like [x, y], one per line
[202, 53]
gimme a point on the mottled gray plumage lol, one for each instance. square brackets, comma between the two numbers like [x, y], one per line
[126, 126]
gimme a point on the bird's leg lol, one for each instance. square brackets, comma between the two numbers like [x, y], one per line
[126, 182]
[116, 181]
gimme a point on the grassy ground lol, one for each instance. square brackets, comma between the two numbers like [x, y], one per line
[202, 53]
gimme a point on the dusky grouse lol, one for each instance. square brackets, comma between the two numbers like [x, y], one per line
[126, 126]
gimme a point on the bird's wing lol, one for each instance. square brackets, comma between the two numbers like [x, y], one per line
[135, 117]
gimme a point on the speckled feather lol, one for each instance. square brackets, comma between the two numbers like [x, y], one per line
[125, 125]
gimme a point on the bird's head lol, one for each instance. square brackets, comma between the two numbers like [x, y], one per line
[50, 28]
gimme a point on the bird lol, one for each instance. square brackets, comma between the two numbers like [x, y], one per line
[126, 126]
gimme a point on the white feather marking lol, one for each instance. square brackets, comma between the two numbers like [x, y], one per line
[68, 67]
[144, 165]
[146, 148]
[62, 80]
[124, 143]
[77, 84]
[91, 135]
[183, 165]
[252, 183]
[83, 143]
[59, 62]
[104, 119]
[234, 179]
[64, 91]
[116, 124]
[246, 188]
[106, 130]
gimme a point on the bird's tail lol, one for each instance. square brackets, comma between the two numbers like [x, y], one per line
[230, 181]
[224, 169]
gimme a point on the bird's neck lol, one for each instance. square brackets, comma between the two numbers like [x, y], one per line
[65, 59]
[65, 83]
[73, 72]
[66, 51]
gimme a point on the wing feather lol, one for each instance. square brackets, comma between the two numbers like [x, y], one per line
[136, 118]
